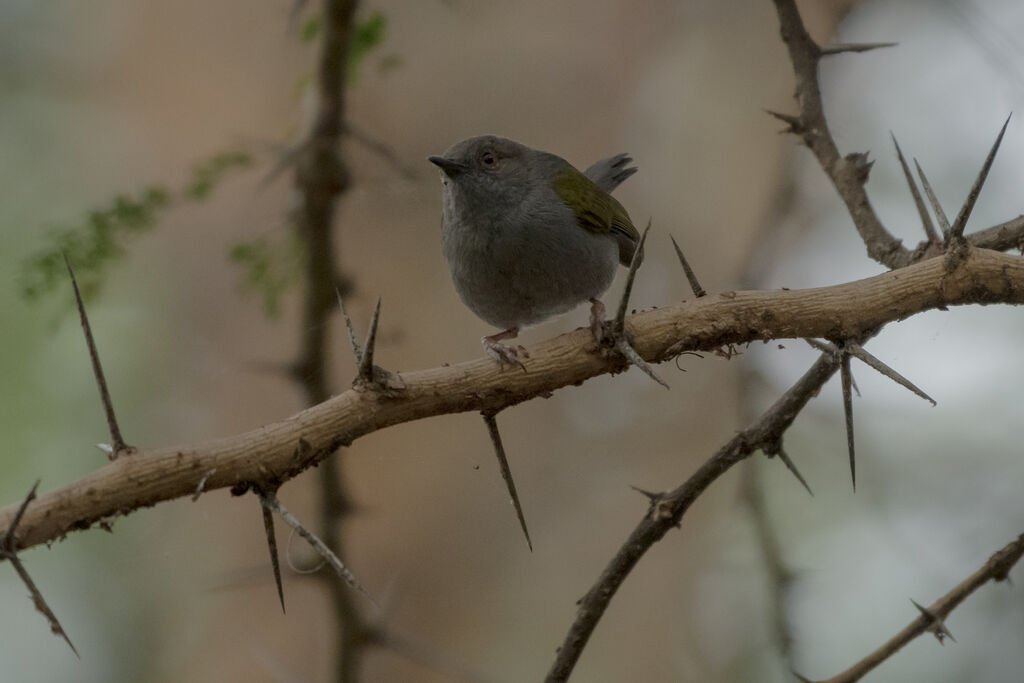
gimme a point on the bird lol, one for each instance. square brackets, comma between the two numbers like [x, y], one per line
[527, 236]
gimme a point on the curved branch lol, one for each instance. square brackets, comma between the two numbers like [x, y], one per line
[281, 450]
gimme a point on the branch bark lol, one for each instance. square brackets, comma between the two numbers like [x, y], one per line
[281, 450]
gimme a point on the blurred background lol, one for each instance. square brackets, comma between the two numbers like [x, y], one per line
[111, 96]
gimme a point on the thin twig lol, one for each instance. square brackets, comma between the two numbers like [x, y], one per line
[996, 568]
[848, 173]
[667, 510]
[116, 440]
[506, 473]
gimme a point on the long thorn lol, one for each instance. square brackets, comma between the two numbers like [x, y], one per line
[356, 349]
[784, 457]
[852, 47]
[116, 440]
[270, 500]
[366, 363]
[619, 325]
[40, 603]
[698, 291]
[858, 352]
[936, 207]
[506, 473]
[9, 551]
[623, 347]
[957, 231]
[268, 528]
[8, 542]
[922, 210]
[844, 372]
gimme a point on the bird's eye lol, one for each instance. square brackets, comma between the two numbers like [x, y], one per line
[488, 159]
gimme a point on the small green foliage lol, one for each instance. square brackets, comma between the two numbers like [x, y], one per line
[101, 238]
[207, 174]
[311, 28]
[92, 246]
[368, 34]
[269, 268]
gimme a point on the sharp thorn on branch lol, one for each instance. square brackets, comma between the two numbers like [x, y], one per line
[357, 351]
[824, 347]
[623, 346]
[619, 335]
[795, 123]
[366, 362]
[940, 215]
[847, 382]
[9, 552]
[858, 351]
[9, 541]
[117, 441]
[506, 473]
[922, 210]
[619, 324]
[698, 291]
[784, 457]
[957, 231]
[268, 528]
[270, 501]
[936, 626]
[852, 47]
[649, 495]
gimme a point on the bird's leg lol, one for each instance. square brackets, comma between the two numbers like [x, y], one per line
[503, 353]
[597, 311]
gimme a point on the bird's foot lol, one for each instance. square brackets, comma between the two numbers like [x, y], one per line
[615, 338]
[602, 329]
[503, 353]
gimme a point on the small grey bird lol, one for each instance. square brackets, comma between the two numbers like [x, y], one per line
[527, 236]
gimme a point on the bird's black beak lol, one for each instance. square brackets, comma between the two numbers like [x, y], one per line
[450, 167]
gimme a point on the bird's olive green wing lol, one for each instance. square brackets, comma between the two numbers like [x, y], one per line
[596, 210]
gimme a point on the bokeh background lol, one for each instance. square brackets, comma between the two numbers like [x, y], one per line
[109, 96]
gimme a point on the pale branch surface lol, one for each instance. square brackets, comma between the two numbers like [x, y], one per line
[281, 450]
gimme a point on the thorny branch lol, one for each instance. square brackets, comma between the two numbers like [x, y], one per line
[997, 568]
[849, 175]
[281, 450]
[9, 552]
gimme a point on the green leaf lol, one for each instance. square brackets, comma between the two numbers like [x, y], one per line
[368, 34]
[268, 268]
